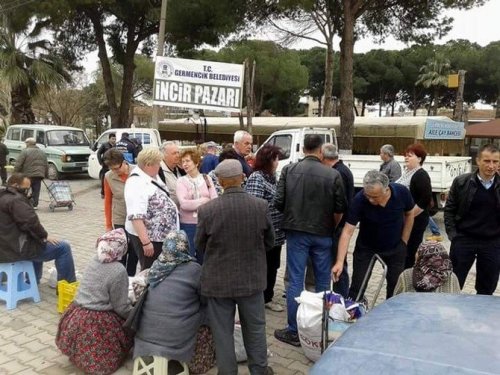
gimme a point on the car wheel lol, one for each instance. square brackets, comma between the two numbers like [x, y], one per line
[70, 207]
[53, 173]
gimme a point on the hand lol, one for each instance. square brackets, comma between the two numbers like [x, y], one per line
[337, 271]
[148, 250]
[52, 240]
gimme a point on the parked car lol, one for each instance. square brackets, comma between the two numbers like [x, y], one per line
[146, 136]
[67, 148]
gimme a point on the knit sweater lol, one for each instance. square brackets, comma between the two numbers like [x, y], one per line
[405, 284]
[104, 287]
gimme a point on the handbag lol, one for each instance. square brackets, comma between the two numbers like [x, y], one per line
[134, 317]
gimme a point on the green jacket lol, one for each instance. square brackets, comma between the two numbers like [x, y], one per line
[32, 162]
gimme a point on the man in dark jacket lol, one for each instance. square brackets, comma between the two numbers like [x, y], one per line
[4, 151]
[312, 199]
[33, 163]
[234, 231]
[331, 159]
[22, 236]
[127, 148]
[102, 150]
[242, 144]
[472, 221]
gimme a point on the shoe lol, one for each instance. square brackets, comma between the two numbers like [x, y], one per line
[35, 208]
[274, 306]
[434, 237]
[284, 335]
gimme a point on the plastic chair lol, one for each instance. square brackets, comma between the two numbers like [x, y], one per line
[16, 287]
[153, 365]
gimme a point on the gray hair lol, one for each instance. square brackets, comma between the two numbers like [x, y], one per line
[388, 149]
[166, 144]
[239, 134]
[30, 141]
[329, 151]
[373, 178]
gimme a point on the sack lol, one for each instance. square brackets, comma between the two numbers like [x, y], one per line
[134, 317]
[309, 315]
[239, 346]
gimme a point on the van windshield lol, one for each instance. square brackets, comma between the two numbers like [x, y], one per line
[67, 138]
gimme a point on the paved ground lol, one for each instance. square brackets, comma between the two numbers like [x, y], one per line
[27, 333]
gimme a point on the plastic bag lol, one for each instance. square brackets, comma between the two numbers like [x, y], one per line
[309, 315]
[53, 277]
[239, 346]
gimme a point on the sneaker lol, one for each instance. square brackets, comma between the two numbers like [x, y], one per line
[274, 306]
[434, 237]
[284, 335]
[35, 208]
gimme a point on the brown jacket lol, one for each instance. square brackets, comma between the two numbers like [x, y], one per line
[234, 231]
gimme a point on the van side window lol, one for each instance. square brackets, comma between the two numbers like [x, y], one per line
[40, 137]
[15, 134]
[147, 139]
[27, 133]
[284, 142]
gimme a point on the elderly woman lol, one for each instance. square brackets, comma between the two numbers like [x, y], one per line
[432, 272]
[115, 210]
[90, 332]
[193, 190]
[151, 214]
[171, 315]
[262, 184]
[418, 181]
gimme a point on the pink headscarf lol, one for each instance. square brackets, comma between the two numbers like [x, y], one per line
[111, 246]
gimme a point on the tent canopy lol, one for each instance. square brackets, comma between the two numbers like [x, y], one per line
[489, 129]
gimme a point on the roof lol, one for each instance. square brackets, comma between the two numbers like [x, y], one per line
[44, 127]
[490, 129]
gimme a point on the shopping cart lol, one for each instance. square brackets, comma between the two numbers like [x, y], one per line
[60, 195]
[332, 329]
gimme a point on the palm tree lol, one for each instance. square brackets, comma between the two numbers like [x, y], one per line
[434, 74]
[27, 64]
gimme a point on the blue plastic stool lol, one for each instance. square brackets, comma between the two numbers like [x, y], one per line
[16, 287]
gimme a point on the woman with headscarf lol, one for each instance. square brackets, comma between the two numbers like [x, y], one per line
[417, 180]
[172, 317]
[90, 331]
[432, 272]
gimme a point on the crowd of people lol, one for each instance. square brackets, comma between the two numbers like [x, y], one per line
[206, 235]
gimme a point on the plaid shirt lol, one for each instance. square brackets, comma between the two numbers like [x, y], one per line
[263, 186]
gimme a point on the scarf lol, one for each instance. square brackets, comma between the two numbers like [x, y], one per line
[111, 246]
[405, 179]
[432, 268]
[175, 252]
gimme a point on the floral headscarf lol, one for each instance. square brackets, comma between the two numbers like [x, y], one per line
[432, 268]
[111, 246]
[175, 252]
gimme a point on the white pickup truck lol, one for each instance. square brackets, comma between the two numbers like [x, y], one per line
[442, 169]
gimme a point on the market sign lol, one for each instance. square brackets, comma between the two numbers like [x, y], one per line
[198, 84]
[441, 129]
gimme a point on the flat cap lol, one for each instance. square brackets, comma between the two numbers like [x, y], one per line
[30, 141]
[229, 168]
[211, 144]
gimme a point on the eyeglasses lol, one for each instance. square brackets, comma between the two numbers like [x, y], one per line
[116, 168]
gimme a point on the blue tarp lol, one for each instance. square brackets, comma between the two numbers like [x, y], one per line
[420, 333]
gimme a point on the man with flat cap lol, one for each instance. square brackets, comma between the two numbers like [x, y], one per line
[234, 231]
[210, 159]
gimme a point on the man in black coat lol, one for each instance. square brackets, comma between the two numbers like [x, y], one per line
[100, 153]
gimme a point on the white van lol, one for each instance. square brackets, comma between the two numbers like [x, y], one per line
[148, 138]
[67, 148]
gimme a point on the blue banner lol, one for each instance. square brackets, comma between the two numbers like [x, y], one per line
[440, 129]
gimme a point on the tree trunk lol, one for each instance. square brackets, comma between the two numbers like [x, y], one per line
[346, 85]
[320, 106]
[327, 108]
[435, 105]
[109, 87]
[459, 106]
[393, 103]
[22, 111]
[127, 83]
[363, 107]
[415, 104]
[497, 113]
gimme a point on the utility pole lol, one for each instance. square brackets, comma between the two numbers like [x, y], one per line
[161, 46]
[459, 106]
[249, 78]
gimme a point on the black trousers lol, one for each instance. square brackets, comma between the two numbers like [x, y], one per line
[36, 184]
[3, 174]
[416, 238]
[394, 258]
[129, 260]
[144, 261]
[486, 252]
[273, 258]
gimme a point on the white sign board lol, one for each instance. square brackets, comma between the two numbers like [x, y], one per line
[439, 129]
[198, 84]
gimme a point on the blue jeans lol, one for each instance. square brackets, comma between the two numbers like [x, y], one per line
[190, 230]
[61, 253]
[299, 247]
[434, 227]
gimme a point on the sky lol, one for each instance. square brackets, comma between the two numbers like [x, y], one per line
[480, 25]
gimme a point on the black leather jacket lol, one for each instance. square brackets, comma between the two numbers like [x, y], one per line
[22, 237]
[309, 194]
[462, 192]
